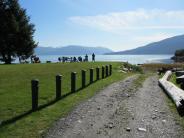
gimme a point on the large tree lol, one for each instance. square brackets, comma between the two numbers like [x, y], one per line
[16, 32]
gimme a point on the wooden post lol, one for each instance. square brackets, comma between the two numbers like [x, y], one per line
[110, 68]
[106, 71]
[73, 81]
[97, 73]
[103, 72]
[83, 78]
[34, 89]
[58, 86]
[91, 75]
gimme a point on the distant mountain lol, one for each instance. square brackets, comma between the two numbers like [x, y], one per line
[166, 46]
[71, 50]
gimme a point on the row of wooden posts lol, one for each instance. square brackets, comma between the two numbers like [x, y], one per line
[105, 72]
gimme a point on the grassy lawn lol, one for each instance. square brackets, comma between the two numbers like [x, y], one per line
[15, 94]
[173, 80]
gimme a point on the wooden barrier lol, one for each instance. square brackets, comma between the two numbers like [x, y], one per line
[58, 86]
[97, 73]
[73, 81]
[83, 73]
[180, 79]
[179, 73]
[34, 89]
[106, 71]
[103, 72]
[110, 69]
[58, 91]
[91, 75]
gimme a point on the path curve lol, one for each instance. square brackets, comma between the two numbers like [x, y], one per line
[120, 110]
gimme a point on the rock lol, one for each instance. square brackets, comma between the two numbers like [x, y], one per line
[110, 126]
[162, 112]
[128, 129]
[98, 108]
[142, 129]
[79, 121]
[163, 121]
[125, 69]
[156, 110]
[153, 117]
[98, 132]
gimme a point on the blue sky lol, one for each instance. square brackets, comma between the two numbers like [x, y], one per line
[115, 24]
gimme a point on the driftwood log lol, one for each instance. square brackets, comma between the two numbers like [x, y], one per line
[180, 79]
[176, 69]
[182, 86]
[176, 94]
[179, 73]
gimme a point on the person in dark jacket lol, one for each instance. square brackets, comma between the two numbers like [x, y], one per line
[93, 57]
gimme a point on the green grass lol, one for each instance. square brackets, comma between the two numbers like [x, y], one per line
[173, 80]
[15, 94]
[179, 119]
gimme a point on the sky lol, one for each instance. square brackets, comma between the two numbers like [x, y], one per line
[115, 24]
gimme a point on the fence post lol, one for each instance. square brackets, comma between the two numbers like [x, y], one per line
[106, 71]
[103, 71]
[58, 86]
[83, 78]
[97, 73]
[73, 81]
[91, 75]
[34, 89]
[110, 66]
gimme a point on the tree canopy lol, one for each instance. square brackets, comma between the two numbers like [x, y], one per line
[179, 53]
[16, 32]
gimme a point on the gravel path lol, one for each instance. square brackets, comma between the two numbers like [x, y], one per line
[121, 111]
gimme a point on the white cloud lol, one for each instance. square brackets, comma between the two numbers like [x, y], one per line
[133, 20]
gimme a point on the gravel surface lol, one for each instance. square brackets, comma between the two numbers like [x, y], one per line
[121, 111]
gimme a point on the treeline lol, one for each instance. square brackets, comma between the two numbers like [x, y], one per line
[179, 56]
[179, 53]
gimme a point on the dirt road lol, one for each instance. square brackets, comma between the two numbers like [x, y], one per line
[122, 111]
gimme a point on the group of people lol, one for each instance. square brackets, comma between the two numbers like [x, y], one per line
[36, 59]
[76, 59]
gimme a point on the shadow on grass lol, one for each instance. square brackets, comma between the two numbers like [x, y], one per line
[18, 117]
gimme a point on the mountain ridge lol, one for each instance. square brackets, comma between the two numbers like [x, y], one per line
[71, 50]
[165, 46]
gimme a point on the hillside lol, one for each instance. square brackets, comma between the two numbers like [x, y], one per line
[71, 50]
[166, 46]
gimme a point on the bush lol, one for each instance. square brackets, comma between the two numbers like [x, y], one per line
[134, 68]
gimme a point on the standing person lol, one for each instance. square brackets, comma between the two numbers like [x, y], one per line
[93, 57]
[59, 59]
[86, 58]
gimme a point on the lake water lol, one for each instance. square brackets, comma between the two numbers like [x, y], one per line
[134, 59]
